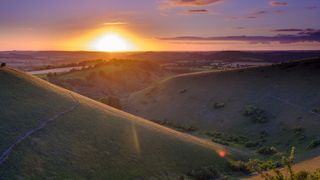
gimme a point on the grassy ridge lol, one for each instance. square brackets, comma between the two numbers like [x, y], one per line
[93, 141]
[257, 107]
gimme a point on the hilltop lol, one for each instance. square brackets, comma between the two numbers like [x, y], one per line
[252, 108]
[47, 131]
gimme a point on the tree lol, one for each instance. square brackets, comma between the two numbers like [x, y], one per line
[3, 64]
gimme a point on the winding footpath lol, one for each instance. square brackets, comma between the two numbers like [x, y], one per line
[25, 135]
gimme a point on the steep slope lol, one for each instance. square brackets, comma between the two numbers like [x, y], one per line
[277, 105]
[48, 132]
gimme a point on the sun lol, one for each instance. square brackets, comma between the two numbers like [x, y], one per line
[111, 42]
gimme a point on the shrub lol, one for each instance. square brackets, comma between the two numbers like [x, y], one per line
[218, 105]
[302, 175]
[220, 141]
[111, 101]
[185, 128]
[263, 165]
[290, 174]
[298, 131]
[267, 150]
[316, 110]
[3, 64]
[183, 91]
[251, 144]
[239, 166]
[214, 134]
[256, 114]
[314, 143]
[204, 173]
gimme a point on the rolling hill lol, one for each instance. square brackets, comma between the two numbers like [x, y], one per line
[117, 78]
[277, 105]
[49, 132]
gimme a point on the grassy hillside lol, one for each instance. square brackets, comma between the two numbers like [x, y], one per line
[77, 138]
[116, 78]
[254, 108]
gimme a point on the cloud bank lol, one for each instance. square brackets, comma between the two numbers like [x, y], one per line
[303, 35]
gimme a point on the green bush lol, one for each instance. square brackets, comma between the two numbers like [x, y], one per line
[185, 128]
[239, 166]
[205, 173]
[251, 144]
[298, 131]
[302, 175]
[183, 91]
[256, 166]
[314, 143]
[218, 105]
[255, 114]
[263, 165]
[316, 110]
[220, 141]
[267, 150]
[111, 101]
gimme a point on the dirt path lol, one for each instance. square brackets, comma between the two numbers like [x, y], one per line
[25, 135]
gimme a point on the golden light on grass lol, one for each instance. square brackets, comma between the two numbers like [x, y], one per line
[111, 42]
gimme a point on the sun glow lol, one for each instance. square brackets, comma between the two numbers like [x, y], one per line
[111, 42]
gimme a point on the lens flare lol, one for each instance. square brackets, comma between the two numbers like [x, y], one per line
[222, 153]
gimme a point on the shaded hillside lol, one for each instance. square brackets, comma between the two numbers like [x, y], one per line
[258, 107]
[116, 78]
[49, 132]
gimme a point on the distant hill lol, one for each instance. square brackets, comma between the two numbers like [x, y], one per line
[28, 60]
[49, 132]
[277, 105]
[117, 78]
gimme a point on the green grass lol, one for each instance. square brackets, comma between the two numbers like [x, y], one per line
[92, 142]
[282, 98]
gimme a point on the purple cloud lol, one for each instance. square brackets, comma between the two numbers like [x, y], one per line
[302, 36]
[197, 10]
[278, 3]
[191, 2]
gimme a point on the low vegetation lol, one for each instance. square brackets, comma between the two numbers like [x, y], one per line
[218, 105]
[316, 110]
[111, 101]
[183, 128]
[314, 144]
[267, 151]
[205, 173]
[288, 173]
[255, 114]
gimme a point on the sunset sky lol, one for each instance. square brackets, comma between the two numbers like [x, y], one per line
[178, 25]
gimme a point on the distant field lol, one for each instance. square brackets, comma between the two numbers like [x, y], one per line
[30, 60]
[92, 140]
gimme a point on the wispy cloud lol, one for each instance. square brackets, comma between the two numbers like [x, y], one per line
[115, 23]
[194, 11]
[278, 3]
[312, 7]
[191, 2]
[301, 36]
